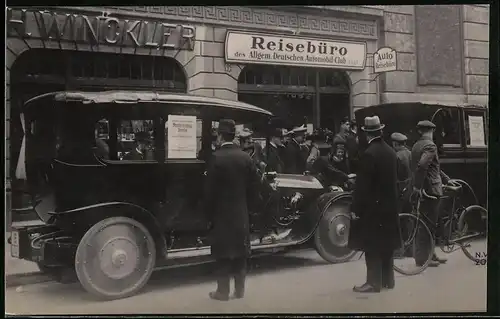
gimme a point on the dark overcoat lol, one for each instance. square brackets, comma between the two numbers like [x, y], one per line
[375, 201]
[231, 186]
[273, 160]
[295, 161]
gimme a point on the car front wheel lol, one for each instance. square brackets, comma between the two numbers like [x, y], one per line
[115, 258]
[331, 236]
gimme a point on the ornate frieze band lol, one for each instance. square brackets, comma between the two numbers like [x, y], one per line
[261, 17]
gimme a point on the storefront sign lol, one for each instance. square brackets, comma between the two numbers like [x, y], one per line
[385, 60]
[476, 131]
[245, 47]
[181, 136]
[95, 30]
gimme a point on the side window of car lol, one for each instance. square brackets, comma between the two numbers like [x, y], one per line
[135, 140]
[450, 127]
[183, 136]
[101, 133]
[476, 130]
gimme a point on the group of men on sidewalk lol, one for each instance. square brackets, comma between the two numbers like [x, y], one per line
[232, 188]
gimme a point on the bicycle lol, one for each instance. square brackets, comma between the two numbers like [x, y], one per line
[454, 230]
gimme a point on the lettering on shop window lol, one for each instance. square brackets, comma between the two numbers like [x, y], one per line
[95, 30]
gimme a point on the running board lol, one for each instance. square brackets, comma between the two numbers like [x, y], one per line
[205, 250]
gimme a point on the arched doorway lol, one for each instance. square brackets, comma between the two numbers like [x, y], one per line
[39, 71]
[294, 93]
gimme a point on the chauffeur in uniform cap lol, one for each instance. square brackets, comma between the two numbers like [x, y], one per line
[375, 224]
[427, 175]
[251, 148]
[231, 186]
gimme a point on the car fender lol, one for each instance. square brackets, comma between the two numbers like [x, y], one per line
[88, 216]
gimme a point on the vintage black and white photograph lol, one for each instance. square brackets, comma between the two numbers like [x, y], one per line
[246, 159]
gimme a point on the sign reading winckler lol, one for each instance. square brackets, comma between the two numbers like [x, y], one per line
[246, 47]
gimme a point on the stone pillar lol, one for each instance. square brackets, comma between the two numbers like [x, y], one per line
[476, 52]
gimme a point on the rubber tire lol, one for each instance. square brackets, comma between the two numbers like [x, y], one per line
[343, 210]
[80, 272]
[462, 221]
[431, 251]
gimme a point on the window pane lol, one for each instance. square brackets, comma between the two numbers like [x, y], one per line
[448, 126]
[135, 140]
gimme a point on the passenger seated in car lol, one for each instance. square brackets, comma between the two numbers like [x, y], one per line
[142, 143]
[332, 169]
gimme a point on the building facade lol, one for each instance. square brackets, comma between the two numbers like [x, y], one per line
[313, 62]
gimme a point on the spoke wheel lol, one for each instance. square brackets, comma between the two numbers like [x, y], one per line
[332, 234]
[115, 258]
[473, 221]
[412, 229]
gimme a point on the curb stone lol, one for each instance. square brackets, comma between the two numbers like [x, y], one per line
[29, 278]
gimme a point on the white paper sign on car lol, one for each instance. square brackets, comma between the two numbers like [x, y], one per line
[181, 136]
[476, 131]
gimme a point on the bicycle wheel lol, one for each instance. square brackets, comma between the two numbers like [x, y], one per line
[471, 234]
[413, 230]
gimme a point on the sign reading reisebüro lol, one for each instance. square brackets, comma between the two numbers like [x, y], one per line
[249, 47]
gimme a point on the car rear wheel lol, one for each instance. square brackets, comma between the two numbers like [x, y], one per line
[332, 234]
[115, 258]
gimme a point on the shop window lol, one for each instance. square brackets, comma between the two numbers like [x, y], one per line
[183, 135]
[476, 130]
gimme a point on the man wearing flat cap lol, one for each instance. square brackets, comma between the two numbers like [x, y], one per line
[374, 228]
[332, 169]
[142, 144]
[251, 148]
[295, 159]
[427, 175]
[404, 158]
[231, 187]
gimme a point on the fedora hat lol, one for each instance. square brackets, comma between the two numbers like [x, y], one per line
[299, 129]
[372, 124]
[227, 126]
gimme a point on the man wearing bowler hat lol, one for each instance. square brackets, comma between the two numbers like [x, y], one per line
[295, 159]
[375, 224]
[427, 175]
[231, 186]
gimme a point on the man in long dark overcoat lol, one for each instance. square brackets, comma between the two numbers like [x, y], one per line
[295, 158]
[375, 224]
[273, 152]
[231, 186]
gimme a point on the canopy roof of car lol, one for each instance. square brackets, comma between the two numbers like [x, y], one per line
[135, 97]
